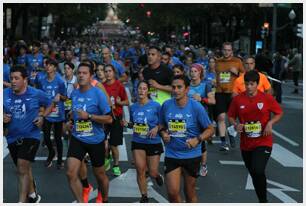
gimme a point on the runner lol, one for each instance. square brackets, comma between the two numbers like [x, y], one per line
[184, 124]
[178, 69]
[201, 92]
[90, 110]
[239, 85]
[228, 68]
[146, 142]
[118, 98]
[253, 109]
[23, 120]
[54, 86]
[158, 76]
[107, 59]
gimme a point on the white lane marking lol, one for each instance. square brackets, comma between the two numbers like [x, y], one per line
[5, 149]
[123, 156]
[285, 157]
[277, 192]
[293, 143]
[225, 162]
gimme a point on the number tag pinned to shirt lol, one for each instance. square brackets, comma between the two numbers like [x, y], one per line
[253, 129]
[225, 77]
[84, 126]
[141, 129]
[177, 128]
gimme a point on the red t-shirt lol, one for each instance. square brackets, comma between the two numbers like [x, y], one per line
[254, 113]
[114, 90]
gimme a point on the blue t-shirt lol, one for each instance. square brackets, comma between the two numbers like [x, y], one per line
[120, 70]
[201, 89]
[24, 109]
[33, 62]
[92, 101]
[144, 118]
[6, 72]
[183, 123]
[56, 86]
[210, 76]
[21, 60]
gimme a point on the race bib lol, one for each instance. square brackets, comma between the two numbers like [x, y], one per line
[177, 128]
[141, 129]
[54, 111]
[253, 129]
[84, 126]
[153, 93]
[68, 104]
[225, 77]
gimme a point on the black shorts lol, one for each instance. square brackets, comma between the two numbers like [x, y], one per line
[223, 101]
[192, 165]
[115, 131]
[24, 149]
[78, 149]
[150, 149]
[203, 146]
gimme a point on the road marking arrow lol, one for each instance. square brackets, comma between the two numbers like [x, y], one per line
[277, 192]
[285, 157]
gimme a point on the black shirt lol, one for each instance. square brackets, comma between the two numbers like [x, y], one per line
[162, 75]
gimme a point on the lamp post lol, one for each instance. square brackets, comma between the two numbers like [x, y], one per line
[291, 16]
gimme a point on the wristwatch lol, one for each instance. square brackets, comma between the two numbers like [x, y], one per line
[89, 116]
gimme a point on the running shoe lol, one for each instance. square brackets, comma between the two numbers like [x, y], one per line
[34, 200]
[86, 193]
[203, 170]
[116, 171]
[224, 147]
[107, 164]
[99, 198]
[144, 199]
[159, 180]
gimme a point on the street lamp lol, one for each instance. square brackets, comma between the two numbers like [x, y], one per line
[275, 29]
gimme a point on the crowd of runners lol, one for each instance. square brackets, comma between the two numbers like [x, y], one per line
[176, 98]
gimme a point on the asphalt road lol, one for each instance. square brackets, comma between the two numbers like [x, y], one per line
[227, 180]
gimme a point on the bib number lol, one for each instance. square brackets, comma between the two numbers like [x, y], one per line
[177, 128]
[253, 129]
[153, 93]
[141, 129]
[225, 77]
[84, 126]
[68, 104]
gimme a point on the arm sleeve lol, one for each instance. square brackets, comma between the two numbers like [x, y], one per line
[266, 83]
[235, 86]
[102, 103]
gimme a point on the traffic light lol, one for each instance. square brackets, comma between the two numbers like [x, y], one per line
[265, 30]
[299, 30]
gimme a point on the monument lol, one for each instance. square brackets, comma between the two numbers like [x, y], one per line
[112, 26]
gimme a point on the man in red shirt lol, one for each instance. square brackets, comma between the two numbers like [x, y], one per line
[253, 109]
